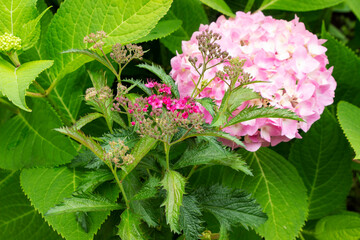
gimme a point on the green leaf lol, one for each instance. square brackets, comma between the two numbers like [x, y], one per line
[123, 23]
[231, 207]
[139, 84]
[345, 72]
[355, 7]
[190, 221]
[92, 179]
[28, 140]
[47, 187]
[349, 116]
[139, 151]
[323, 160]
[239, 96]
[86, 119]
[31, 32]
[148, 190]
[213, 153]
[129, 228]
[174, 184]
[192, 14]
[147, 209]
[278, 188]
[165, 78]
[14, 14]
[219, 5]
[208, 104]
[264, 112]
[300, 6]
[84, 203]
[15, 81]
[343, 226]
[163, 29]
[18, 219]
[218, 134]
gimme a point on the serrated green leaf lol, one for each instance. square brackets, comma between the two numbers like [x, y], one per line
[31, 32]
[239, 96]
[47, 187]
[161, 30]
[148, 190]
[129, 228]
[84, 203]
[345, 71]
[208, 104]
[18, 219]
[349, 116]
[323, 160]
[147, 209]
[165, 78]
[139, 151]
[219, 5]
[278, 188]
[300, 6]
[355, 7]
[190, 215]
[15, 81]
[192, 14]
[86, 119]
[92, 179]
[212, 153]
[267, 112]
[231, 207]
[28, 140]
[14, 14]
[174, 184]
[218, 134]
[342, 226]
[139, 84]
[115, 17]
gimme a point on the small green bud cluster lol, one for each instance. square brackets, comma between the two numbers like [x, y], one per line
[118, 154]
[124, 54]
[97, 39]
[98, 95]
[9, 42]
[235, 72]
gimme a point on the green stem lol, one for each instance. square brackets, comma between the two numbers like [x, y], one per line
[249, 5]
[39, 88]
[307, 232]
[192, 171]
[35, 95]
[14, 59]
[167, 153]
[120, 186]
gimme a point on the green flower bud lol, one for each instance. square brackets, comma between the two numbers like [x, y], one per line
[9, 42]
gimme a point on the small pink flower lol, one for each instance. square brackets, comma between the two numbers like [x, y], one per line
[133, 123]
[131, 111]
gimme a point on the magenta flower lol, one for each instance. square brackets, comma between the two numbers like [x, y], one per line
[289, 59]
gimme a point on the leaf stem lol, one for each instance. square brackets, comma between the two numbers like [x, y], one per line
[14, 58]
[113, 170]
[167, 153]
[192, 171]
[35, 95]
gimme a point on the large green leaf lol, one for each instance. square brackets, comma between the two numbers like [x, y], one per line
[28, 140]
[347, 72]
[323, 160]
[300, 6]
[124, 21]
[18, 219]
[212, 153]
[278, 188]
[14, 14]
[163, 29]
[47, 187]
[192, 14]
[231, 207]
[190, 214]
[219, 5]
[349, 116]
[15, 81]
[355, 6]
[174, 184]
[129, 228]
[344, 226]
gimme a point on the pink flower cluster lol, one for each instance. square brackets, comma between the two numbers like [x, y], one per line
[289, 59]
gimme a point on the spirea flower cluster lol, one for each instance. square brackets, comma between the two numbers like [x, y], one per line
[289, 60]
[9, 42]
[160, 115]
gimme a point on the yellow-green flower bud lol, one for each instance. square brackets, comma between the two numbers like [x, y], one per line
[9, 42]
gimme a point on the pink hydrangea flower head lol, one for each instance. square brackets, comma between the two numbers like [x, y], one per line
[290, 61]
